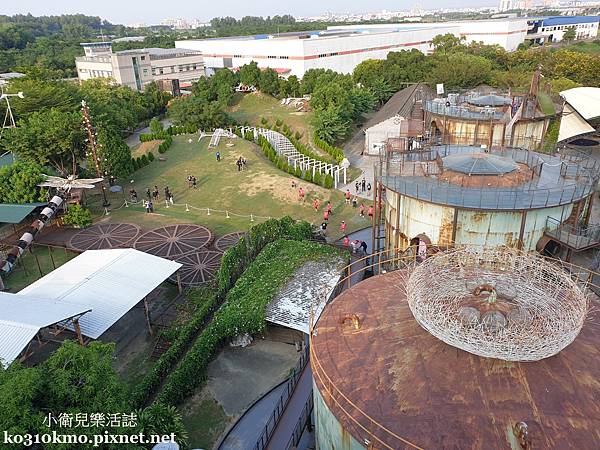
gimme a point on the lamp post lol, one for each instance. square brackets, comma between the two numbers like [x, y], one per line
[93, 146]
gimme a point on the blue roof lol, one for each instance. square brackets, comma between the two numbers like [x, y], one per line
[569, 20]
[6, 159]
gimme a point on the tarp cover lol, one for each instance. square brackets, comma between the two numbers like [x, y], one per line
[585, 100]
[14, 213]
[572, 124]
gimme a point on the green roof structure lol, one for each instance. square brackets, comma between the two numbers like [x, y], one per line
[15, 213]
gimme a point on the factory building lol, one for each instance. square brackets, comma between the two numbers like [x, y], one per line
[137, 68]
[543, 30]
[295, 53]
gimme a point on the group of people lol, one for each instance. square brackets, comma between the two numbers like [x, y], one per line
[192, 181]
[363, 186]
[361, 208]
[152, 196]
[240, 163]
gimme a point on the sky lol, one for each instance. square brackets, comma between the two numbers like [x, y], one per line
[153, 11]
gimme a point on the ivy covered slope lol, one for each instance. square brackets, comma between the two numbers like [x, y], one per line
[243, 310]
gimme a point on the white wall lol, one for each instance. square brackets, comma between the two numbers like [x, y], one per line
[582, 30]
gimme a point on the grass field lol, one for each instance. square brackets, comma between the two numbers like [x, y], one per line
[27, 270]
[585, 46]
[261, 190]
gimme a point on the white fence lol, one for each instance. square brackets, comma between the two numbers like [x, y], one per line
[285, 148]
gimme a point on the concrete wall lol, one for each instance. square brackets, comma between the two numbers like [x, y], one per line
[582, 30]
[407, 217]
[177, 67]
[379, 134]
[330, 434]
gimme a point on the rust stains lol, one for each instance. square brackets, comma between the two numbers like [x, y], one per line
[393, 374]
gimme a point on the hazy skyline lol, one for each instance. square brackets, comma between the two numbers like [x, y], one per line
[152, 11]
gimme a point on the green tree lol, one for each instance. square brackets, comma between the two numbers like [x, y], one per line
[114, 154]
[250, 74]
[570, 34]
[459, 70]
[193, 111]
[330, 124]
[49, 137]
[155, 126]
[269, 82]
[447, 43]
[18, 183]
[368, 71]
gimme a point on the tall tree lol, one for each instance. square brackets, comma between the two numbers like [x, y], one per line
[18, 183]
[250, 74]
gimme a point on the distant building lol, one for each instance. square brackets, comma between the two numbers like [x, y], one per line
[552, 29]
[295, 53]
[137, 68]
[7, 76]
[505, 5]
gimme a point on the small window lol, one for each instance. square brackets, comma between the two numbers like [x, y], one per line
[237, 56]
[161, 71]
[143, 58]
[146, 72]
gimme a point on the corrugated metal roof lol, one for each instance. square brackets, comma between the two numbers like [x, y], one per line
[15, 213]
[569, 20]
[109, 282]
[22, 317]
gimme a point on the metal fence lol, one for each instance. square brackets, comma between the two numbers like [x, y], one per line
[263, 439]
[463, 112]
[559, 181]
[304, 419]
[574, 236]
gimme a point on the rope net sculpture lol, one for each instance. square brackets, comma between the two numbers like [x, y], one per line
[497, 303]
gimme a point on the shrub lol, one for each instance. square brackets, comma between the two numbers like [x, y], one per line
[298, 172]
[298, 136]
[263, 121]
[249, 136]
[308, 176]
[134, 163]
[78, 217]
[335, 152]
[317, 178]
[150, 156]
[144, 160]
[279, 122]
[328, 181]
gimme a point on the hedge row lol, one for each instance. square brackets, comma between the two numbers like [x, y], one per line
[242, 312]
[164, 145]
[324, 180]
[171, 131]
[335, 152]
[151, 381]
[233, 264]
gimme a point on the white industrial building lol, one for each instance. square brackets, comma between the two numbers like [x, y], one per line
[137, 68]
[295, 53]
[544, 30]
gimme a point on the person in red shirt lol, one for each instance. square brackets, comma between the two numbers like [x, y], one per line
[316, 204]
[301, 194]
[343, 227]
[346, 241]
[362, 210]
[370, 211]
[347, 197]
[325, 215]
[329, 208]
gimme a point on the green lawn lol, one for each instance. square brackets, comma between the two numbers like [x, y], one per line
[261, 190]
[584, 46]
[204, 420]
[27, 271]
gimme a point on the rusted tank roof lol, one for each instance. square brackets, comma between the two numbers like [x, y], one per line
[391, 383]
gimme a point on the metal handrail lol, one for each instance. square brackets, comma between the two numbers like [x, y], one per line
[474, 113]
[301, 424]
[263, 440]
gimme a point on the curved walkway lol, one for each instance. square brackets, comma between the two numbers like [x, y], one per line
[246, 431]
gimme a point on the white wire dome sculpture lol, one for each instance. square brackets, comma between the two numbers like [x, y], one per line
[497, 303]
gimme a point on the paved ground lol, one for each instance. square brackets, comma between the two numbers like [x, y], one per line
[134, 138]
[241, 375]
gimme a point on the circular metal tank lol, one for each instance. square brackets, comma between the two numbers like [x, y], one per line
[383, 382]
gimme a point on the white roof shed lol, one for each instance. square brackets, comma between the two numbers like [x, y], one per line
[108, 282]
[23, 317]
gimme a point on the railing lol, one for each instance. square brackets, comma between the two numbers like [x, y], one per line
[463, 112]
[301, 424]
[572, 180]
[576, 237]
[263, 439]
[387, 261]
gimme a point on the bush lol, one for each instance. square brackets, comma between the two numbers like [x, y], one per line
[317, 178]
[263, 121]
[279, 122]
[144, 160]
[298, 172]
[242, 312]
[308, 176]
[328, 181]
[150, 156]
[298, 136]
[335, 152]
[134, 163]
[78, 217]
[249, 136]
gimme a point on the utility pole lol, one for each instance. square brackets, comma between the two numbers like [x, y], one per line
[93, 147]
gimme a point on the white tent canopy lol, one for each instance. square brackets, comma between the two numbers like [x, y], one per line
[108, 282]
[21, 318]
[585, 100]
[572, 124]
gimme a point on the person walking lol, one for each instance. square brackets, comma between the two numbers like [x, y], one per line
[316, 204]
[324, 227]
[329, 208]
[301, 194]
[370, 212]
[194, 182]
[357, 186]
[346, 241]
[368, 189]
[218, 155]
[347, 196]
[363, 246]
[155, 193]
[171, 197]
[150, 206]
[362, 210]
[325, 215]
[167, 193]
[133, 195]
[147, 206]
[238, 163]
[343, 227]
[363, 184]
[148, 194]
[354, 201]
